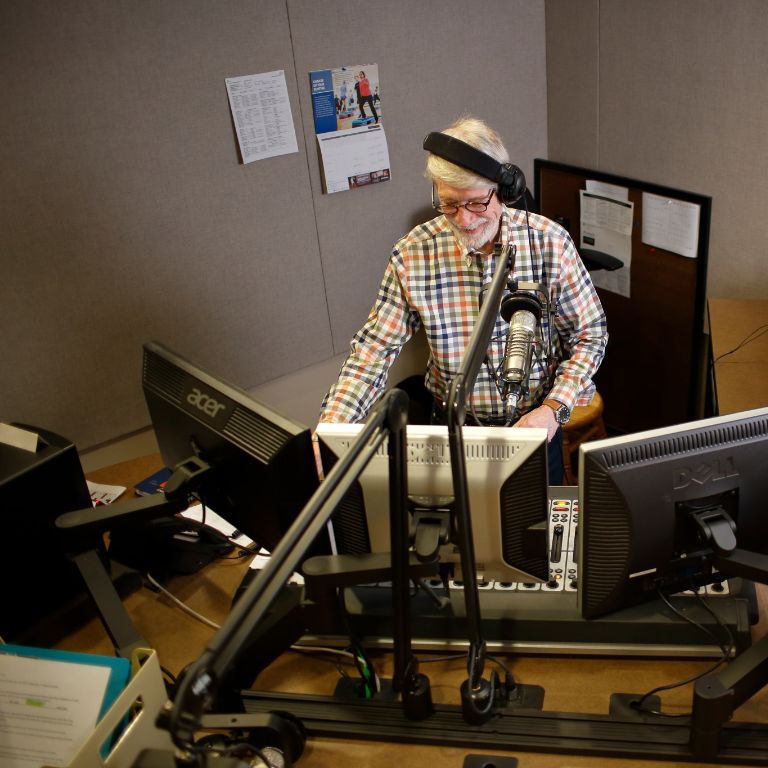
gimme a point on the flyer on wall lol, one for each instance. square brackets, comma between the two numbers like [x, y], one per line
[262, 115]
[347, 111]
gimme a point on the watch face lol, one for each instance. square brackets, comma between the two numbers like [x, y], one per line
[562, 412]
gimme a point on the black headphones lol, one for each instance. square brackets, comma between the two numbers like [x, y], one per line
[510, 178]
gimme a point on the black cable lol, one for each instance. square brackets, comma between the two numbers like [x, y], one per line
[449, 657]
[749, 338]
[245, 550]
[726, 651]
[535, 280]
[501, 664]
[365, 667]
[486, 710]
[461, 657]
[171, 678]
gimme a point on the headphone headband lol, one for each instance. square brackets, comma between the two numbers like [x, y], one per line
[509, 177]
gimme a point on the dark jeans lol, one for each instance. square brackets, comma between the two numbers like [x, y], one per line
[368, 100]
[555, 456]
[556, 467]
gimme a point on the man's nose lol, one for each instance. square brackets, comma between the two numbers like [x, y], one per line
[463, 216]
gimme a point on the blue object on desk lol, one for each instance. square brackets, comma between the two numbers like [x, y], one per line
[154, 483]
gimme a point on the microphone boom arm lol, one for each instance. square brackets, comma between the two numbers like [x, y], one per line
[473, 691]
[199, 686]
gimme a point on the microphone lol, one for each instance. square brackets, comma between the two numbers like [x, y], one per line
[522, 311]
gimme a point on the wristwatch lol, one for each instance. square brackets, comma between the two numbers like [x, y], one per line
[562, 412]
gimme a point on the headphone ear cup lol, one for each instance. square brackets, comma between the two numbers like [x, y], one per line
[511, 184]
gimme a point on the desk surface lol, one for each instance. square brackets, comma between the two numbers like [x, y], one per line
[572, 684]
[741, 376]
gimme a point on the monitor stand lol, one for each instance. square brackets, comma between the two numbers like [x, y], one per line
[536, 618]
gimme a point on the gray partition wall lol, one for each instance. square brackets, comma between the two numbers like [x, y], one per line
[126, 214]
[673, 93]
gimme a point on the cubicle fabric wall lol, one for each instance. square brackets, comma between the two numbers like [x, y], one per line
[127, 215]
[672, 93]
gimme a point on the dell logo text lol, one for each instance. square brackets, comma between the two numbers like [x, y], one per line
[704, 473]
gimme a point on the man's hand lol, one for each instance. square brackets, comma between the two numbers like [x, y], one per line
[542, 417]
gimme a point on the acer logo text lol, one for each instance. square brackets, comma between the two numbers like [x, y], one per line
[205, 403]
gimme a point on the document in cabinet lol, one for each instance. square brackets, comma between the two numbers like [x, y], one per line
[606, 226]
[671, 224]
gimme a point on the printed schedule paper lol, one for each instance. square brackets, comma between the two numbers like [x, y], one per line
[606, 225]
[671, 224]
[262, 114]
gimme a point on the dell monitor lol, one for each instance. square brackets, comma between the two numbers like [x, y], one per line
[507, 481]
[663, 510]
[261, 469]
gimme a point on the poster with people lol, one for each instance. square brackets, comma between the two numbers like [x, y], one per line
[348, 117]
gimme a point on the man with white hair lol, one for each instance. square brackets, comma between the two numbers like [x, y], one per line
[435, 278]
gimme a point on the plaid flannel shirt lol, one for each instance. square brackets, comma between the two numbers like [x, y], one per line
[431, 281]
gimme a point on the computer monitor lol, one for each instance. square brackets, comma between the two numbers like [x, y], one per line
[662, 510]
[43, 597]
[262, 466]
[507, 484]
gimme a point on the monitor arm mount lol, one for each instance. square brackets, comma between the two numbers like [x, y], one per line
[81, 532]
[716, 696]
[477, 695]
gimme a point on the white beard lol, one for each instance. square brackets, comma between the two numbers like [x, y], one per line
[476, 238]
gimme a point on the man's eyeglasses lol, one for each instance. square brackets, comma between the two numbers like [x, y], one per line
[450, 207]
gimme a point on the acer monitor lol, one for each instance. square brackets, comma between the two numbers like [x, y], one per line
[672, 509]
[261, 469]
[507, 481]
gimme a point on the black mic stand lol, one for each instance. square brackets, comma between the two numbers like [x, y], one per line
[199, 686]
[477, 694]
[412, 686]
